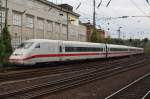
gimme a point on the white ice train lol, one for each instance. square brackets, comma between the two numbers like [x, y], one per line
[36, 51]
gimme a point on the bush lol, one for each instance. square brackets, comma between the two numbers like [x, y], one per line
[95, 37]
[5, 46]
[6, 41]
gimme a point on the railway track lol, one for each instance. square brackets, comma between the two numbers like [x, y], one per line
[27, 73]
[139, 89]
[52, 84]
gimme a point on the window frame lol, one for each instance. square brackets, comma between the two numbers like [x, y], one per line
[38, 46]
[57, 27]
[29, 23]
[2, 14]
[118, 49]
[40, 23]
[17, 19]
[50, 26]
[83, 49]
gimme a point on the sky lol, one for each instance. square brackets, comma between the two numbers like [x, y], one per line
[107, 17]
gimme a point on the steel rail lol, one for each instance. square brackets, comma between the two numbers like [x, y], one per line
[145, 96]
[81, 77]
[54, 70]
[129, 85]
[87, 79]
[84, 73]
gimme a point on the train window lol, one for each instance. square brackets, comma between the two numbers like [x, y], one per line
[25, 45]
[118, 49]
[82, 49]
[37, 46]
[132, 50]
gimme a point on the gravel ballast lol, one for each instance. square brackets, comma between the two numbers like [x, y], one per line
[101, 88]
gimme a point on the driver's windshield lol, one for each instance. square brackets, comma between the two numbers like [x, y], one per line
[25, 45]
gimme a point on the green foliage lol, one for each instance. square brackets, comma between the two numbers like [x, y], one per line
[145, 40]
[95, 37]
[7, 41]
[130, 42]
[108, 40]
[5, 46]
[2, 49]
[114, 41]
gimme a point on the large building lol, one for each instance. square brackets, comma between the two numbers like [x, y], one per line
[28, 19]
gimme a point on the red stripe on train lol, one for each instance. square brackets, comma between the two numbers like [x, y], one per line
[63, 55]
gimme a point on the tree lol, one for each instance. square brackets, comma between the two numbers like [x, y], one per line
[2, 49]
[108, 40]
[7, 41]
[130, 41]
[145, 40]
[5, 45]
[95, 37]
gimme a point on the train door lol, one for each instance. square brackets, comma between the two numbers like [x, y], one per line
[61, 50]
[106, 50]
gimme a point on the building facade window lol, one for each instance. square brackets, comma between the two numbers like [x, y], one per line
[40, 24]
[57, 27]
[30, 22]
[17, 19]
[49, 26]
[64, 29]
[2, 16]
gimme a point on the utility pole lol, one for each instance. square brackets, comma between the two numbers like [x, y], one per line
[6, 13]
[1, 23]
[94, 15]
[67, 26]
[119, 32]
[94, 36]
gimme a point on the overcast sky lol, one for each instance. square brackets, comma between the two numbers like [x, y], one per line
[132, 27]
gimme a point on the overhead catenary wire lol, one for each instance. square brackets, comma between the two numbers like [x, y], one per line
[148, 2]
[141, 10]
[78, 6]
[100, 4]
[108, 3]
[145, 15]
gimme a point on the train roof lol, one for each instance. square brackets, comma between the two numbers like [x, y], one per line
[82, 43]
[122, 46]
[117, 46]
[67, 42]
[41, 40]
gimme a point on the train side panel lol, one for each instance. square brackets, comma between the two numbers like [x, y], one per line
[41, 50]
[117, 50]
[80, 51]
[45, 52]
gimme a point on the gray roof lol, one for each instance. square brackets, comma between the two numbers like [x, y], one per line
[58, 7]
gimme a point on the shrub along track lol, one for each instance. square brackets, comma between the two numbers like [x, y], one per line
[38, 86]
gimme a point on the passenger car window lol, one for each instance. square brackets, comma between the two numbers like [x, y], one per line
[83, 49]
[37, 46]
[25, 45]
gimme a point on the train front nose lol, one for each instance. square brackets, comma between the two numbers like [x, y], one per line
[16, 59]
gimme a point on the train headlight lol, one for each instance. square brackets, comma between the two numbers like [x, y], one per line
[15, 61]
[17, 54]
